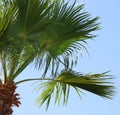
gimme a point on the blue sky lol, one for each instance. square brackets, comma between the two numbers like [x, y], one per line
[104, 55]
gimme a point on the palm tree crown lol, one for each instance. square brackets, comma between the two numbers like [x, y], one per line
[50, 34]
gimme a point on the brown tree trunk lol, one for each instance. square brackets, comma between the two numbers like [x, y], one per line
[1, 108]
[5, 109]
[8, 98]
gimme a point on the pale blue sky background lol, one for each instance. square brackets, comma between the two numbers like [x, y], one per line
[104, 55]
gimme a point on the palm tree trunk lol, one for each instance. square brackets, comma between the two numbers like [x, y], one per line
[1, 108]
[5, 109]
[8, 98]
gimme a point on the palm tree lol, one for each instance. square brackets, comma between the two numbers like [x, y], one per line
[50, 34]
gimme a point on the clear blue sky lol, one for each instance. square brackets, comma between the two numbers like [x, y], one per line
[104, 55]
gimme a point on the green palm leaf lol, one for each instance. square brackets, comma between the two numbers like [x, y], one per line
[16, 33]
[6, 17]
[56, 31]
[65, 35]
[95, 83]
[51, 34]
[59, 87]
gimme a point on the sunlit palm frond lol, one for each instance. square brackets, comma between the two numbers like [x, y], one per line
[59, 88]
[65, 34]
[53, 89]
[95, 83]
[49, 33]
[16, 63]
[6, 17]
[21, 22]
[55, 30]
[69, 24]
[31, 19]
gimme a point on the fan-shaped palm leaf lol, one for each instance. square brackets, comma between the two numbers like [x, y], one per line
[15, 30]
[54, 29]
[63, 35]
[59, 87]
[6, 17]
[49, 33]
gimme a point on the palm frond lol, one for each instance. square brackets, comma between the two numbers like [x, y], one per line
[95, 83]
[6, 17]
[19, 61]
[68, 25]
[59, 88]
[31, 18]
[49, 33]
[65, 35]
[56, 30]
[46, 95]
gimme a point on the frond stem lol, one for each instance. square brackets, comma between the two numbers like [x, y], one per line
[63, 63]
[4, 67]
[34, 79]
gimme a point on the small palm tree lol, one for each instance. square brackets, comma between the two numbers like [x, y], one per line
[50, 34]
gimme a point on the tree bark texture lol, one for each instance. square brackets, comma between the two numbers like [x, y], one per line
[8, 98]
